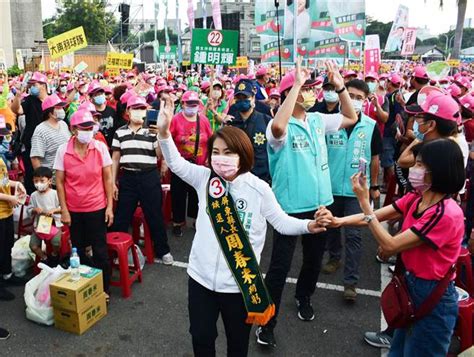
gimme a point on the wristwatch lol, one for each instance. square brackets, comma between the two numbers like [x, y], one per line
[341, 90]
[369, 217]
[375, 187]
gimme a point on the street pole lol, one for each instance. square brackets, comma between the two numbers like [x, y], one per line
[295, 35]
[277, 4]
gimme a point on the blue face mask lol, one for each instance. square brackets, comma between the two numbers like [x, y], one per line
[416, 131]
[243, 105]
[100, 99]
[372, 86]
[330, 96]
[34, 91]
[76, 97]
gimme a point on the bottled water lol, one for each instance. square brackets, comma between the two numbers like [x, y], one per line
[74, 263]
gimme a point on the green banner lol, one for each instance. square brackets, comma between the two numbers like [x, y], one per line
[330, 47]
[320, 17]
[168, 53]
[217, 47]
[269, 49]
[348, 19]
[266, 19]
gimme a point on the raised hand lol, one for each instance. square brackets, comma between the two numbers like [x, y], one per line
[165, 117]
[302, 74]
[334, 77]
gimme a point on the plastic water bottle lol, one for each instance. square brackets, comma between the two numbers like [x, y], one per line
[74, 263]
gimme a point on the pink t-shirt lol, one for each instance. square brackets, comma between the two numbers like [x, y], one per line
[83, 181]
[184, 135]
[440, 227]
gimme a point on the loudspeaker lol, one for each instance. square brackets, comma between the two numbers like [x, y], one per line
[124, 18]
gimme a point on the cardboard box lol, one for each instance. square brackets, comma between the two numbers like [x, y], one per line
[80, 322]
[71, 295]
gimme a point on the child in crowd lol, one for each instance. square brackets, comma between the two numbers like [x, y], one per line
[45, 202]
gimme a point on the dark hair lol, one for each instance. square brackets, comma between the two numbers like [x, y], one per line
[238, 142]
[47, 112]
[43, 171]
[118, 91]
[445, 128]
[421, 81]
[443, 158]
[360, 85]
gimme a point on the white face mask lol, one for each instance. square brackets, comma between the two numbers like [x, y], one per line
[41, 186]
[137, 115]
[216, 94]
[357, 105]
[85, 137]
[60, 114]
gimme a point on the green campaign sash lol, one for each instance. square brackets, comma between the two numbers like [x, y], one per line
[238, 252]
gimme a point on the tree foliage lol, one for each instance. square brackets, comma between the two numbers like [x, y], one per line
[99, 24]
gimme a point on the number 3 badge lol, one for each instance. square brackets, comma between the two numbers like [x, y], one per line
[216, 188]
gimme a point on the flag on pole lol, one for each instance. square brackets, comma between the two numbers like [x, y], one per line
[409, 41]
[204, 14]
[167, 39]
[190, 14]
[216, 14]
[178, 33]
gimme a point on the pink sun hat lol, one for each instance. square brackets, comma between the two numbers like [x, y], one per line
[432, 100]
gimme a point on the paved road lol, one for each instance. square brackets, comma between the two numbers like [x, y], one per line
[154, 321]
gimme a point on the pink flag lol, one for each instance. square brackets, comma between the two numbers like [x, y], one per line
[216, 14]
[191, 14]
[409, 41]
[372, 60]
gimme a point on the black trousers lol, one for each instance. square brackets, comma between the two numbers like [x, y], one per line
[7, 239]
[280, 264]
[29, 185]
[90, 229]
[204, 307]
[180, 191]
[143, 187]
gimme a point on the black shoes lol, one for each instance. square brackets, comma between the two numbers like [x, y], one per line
[265, 336]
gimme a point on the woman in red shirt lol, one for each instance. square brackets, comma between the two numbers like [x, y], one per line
[190, 131]
[429, 243]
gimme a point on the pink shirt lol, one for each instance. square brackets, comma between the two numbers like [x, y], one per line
[83, 180]
[440, 227]
[184, 135]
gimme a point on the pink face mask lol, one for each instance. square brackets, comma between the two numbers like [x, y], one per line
[416, 176]
[225, 166]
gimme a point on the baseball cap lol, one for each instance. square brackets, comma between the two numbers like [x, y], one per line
[432, 100]
[245, 87]
[467, 102]
[274, 93]
[289, 80]
[350, 73]
[136, 102]
[372, 75]
[464, 82]
[94, 87]
[82, 118]
[217, 83]
[190, 96]
[3, 126]
[454, 90]
[205, 85]
[90, 107]
[420, 72]
[52, 101]
[164, 88]
[38, 77]
[261, 71]
[395, 79]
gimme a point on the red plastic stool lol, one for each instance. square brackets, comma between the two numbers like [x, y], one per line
[464, 324]
[64, 250]
[138, 220]
[464, 277]
[119, 244]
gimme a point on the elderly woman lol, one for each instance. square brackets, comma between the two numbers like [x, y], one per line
[84, 183]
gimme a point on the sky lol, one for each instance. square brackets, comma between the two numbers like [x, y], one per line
[422, 12]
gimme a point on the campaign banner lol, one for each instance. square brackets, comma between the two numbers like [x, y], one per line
[190, 13]
[242, 62]
[218, 47]
[67, 42]
[266, 18]
[355, 51]
[269, 49]
[19, 59]
[320, 17]
[395, 38]
[372, 60]
[372, 41]
[409, 41]
[303, 19]
[332, 47]
[119, 60]
[348, 19]
[168, 53]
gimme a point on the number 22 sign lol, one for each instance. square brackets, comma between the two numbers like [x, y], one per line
[215, 38]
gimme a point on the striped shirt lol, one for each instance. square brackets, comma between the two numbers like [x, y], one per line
[46, 141]
[137, 150]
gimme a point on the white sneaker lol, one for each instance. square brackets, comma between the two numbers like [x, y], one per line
[166, 259]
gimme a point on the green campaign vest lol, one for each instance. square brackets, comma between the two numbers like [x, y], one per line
[344, 154]
[300, 170]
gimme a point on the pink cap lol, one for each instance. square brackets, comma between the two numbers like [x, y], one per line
[94, 87]
[395, 79]
[130, 74]
[136, 102]
[383, 76]
[182, 87]
[289, 80]
[319, 80]
[467, 102]
[70, 87]
[444, 80]
[454, 90]
[420, 72]
[82, 118]
[432, 100]
[161, 82]
[39, 77]
[464, 82]
[124, 97]
[274, 93]
[165, 88]
[372, 75]
[190, 96]
[108, 90]
[65, 75]
[238, 78]
[52, 101]
[205, 85]
[349, 73]
[86, 105]
[261, 71]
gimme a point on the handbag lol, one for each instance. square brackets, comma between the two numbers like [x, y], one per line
[397, 306]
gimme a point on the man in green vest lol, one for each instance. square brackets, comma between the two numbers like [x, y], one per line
[301, 182]
[346, 148]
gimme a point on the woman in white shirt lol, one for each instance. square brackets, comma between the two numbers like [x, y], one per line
[234, 206]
